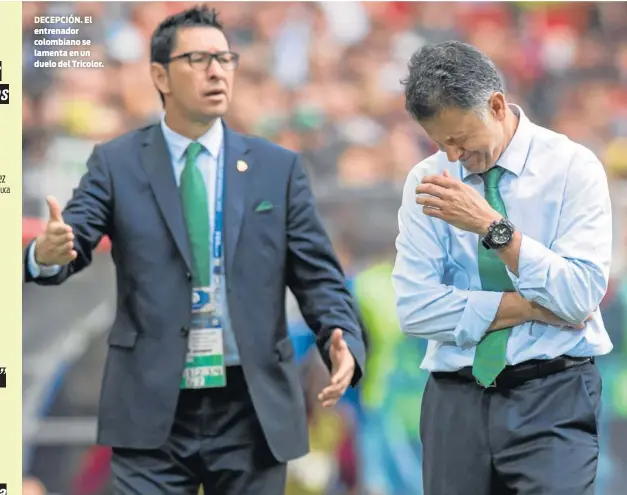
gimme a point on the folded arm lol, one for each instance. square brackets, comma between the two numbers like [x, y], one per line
[569, 277]
[427, 307]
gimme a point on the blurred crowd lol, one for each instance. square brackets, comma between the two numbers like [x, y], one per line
[323, 78]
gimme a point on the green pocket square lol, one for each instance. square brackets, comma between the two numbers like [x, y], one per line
[264, 206]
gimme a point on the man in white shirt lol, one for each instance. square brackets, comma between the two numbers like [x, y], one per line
[504, 250]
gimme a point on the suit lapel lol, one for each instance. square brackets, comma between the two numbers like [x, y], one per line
[156, 162]
[236, 150]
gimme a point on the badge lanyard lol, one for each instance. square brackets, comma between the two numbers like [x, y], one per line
[216, 245]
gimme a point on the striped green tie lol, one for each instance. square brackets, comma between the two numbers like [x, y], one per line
[490, 353]
[196, 212]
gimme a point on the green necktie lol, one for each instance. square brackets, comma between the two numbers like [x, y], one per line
[490, 353]
[196, 212]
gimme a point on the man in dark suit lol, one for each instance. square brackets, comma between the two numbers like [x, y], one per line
[208, 228]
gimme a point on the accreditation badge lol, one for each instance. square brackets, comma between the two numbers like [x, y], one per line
[204, 366]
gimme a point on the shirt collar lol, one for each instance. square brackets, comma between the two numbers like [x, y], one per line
[211, 140]
[515, 155]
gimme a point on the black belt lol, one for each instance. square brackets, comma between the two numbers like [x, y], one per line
[520, 373]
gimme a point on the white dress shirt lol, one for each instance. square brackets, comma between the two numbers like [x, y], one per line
[556, 194]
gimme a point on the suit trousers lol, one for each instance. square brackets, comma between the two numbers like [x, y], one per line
[534, 438]
[216, 442]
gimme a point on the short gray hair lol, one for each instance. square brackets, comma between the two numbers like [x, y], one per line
[448, 75]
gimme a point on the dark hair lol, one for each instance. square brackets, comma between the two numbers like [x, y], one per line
[164, 37]
[448, 75]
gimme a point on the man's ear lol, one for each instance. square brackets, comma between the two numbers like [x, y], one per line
[160, 77]
[498, 106]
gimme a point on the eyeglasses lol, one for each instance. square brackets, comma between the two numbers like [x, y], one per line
[201, 61]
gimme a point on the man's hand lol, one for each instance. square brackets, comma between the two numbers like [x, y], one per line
[343, 367]
[543, 315]
[56, 245]
[456, 203]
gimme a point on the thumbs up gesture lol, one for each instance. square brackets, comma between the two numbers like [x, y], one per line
[342, 370]
[56, 245]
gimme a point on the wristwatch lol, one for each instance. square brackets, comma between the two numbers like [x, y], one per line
[500, 234]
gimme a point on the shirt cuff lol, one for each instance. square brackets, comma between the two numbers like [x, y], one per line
[533, 265]
[480, 311]
[36, 270]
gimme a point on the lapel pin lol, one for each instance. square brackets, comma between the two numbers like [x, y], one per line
[242, 166]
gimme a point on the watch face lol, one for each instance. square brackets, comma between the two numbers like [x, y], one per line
[501, 234]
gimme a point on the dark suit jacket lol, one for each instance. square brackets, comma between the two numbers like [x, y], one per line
[129, 194]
